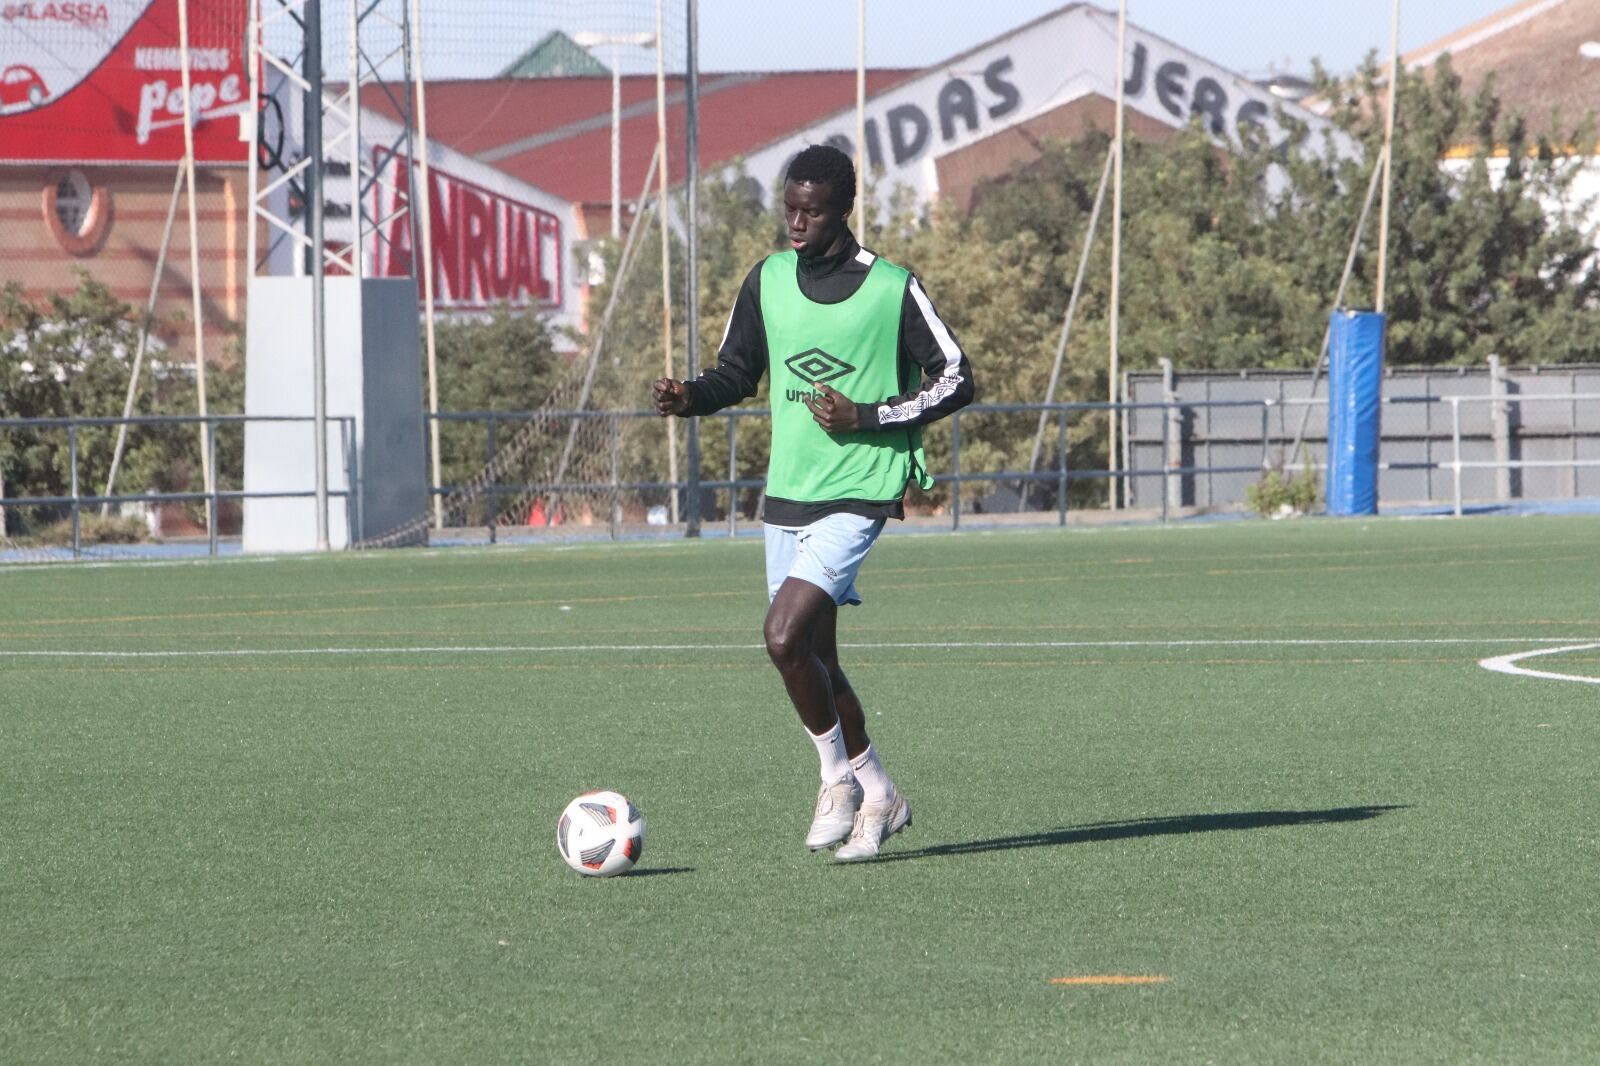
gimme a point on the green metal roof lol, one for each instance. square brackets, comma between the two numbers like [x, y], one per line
[556, 56]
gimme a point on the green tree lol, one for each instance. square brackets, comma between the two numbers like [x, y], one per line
[70, 357]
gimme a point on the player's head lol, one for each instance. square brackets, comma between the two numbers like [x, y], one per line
[818, 192]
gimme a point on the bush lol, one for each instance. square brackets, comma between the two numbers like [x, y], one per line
[1277, 495]
[92, 529]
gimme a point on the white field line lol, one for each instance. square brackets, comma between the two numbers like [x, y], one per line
[537, 649]
[1507, 664]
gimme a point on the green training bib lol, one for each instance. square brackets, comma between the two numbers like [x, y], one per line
[854, 347]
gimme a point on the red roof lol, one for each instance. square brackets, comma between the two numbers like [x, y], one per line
[555, 133]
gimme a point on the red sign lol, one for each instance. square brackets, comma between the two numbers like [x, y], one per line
[487, 248]
[101, 81]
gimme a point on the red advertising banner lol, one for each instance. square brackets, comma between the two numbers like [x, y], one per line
[487, 248]
[100, 81]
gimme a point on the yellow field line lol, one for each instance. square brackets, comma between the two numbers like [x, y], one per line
[1112, 979]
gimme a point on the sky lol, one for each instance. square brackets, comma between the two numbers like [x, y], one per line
[477, 38]
[1251, 37]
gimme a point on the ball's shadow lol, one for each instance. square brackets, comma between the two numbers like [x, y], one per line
[659, 871]
[1176, 825]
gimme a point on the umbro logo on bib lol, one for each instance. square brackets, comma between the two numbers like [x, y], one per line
[817, 366]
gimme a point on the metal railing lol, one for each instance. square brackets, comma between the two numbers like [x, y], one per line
[1457, 465]
[76, 500]
[1062, 475]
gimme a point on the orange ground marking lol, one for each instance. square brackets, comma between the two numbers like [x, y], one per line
[1111, 979]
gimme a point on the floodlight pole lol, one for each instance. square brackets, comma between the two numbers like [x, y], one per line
[665, 220]
[314, 205]
[616, 141]
[861, 120]
[208, 476]
[691, 313]
[1388, 155]
[425, 229]
[1116, 250]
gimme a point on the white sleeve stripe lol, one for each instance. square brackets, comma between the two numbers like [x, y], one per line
[726, 329]
[947, 343]
[865, 257]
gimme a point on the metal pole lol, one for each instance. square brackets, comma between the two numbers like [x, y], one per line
[194, 236]
[1388, 153]
[955, 471]
[1061, 485]
[426, 229]
[144, 339]
[1066, 324]
[616, 141]
[493, 516]
[1116, 246]
[1455, 440]
[211, 501]
[1166, 448]
[616, 474]
[314, 204]
[72, 462]
[861, 120]
[666, 245]
[692, 257]
[354, 119]
[733, 476]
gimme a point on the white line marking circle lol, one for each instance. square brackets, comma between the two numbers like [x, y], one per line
[1507, 664]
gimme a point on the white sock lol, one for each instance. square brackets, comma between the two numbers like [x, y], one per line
[830, 752]
[875, 783]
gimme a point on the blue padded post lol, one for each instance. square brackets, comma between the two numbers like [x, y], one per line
[1355, 391]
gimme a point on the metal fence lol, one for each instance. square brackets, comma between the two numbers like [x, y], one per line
[73, 504]
[1170, 453]
[1519, 433]
[1007, 493]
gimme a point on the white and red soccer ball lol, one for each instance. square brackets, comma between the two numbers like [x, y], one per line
[600, 834]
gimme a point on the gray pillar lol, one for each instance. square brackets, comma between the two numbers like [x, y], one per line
[1173, 436]
[1500, 425]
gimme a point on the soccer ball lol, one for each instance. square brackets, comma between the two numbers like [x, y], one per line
[600, 834]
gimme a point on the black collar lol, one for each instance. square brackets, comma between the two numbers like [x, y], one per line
[820, 267]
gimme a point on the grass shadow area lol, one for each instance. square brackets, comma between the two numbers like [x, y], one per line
[1175, 825]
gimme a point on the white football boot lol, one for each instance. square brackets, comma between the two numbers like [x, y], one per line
[836, 813]
[875, 823]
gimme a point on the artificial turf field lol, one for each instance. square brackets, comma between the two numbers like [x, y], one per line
[1260, 761]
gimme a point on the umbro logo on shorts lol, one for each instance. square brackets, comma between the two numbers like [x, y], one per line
[817, 366]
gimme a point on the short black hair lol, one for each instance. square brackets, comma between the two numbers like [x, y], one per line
[823, 164]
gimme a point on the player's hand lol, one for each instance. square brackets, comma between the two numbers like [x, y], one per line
[833, 411]
[671, 397]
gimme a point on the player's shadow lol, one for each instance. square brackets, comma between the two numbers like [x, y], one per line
[658, 871]
[1176, 825]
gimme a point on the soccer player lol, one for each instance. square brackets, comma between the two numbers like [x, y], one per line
[859, 362]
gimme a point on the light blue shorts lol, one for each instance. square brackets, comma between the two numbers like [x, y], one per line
[828, 553]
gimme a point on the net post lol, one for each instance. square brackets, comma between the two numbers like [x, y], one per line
[616, 472]
[494, 482]
[692, 257]
[955, 471]
[72, 461]
[733, 476]
[1061, 484]
[1455, 441]
[211, 501]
